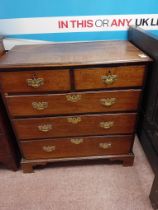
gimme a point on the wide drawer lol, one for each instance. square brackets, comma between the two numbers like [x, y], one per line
[35, 81]
[79, 125]
[77, 147]
[112, 77]
[49, 104]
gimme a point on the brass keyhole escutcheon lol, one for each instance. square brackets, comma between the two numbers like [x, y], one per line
[105, 145]
[76, 140]
[73, 98]
[45, 127]
[107, 124]
[40, 105]
[49, 148]
[108, 102]
[35, 82]
[109, 79]
[74, 120]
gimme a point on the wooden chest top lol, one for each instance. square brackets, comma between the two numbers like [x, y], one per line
[73, 54]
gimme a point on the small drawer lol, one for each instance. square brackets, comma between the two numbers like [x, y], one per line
[79, 125]
[35, 81]
[88, 102]
[111, 77]
[76, 147]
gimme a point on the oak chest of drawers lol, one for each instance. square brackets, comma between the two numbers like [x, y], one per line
[74, 101]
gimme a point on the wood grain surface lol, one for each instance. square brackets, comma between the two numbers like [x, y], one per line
[126, 100]
[65, 148]
[92, 78]
[18, 81]
[72, 54]
[74, 125]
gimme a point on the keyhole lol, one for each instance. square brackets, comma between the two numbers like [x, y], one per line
[34, 75]
[109, 72]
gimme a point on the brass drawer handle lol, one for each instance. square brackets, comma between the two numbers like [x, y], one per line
[106, 125]
[35, 82]
[105, 145]
[108, 101]
[77, 140]
[49, 148]
[109, 79]
[73, 98]
[45, 127]
[74, 120]
[40, 105]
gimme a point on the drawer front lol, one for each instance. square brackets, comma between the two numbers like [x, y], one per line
[112, 77]
[102, 101]
[76, 147]
[75, 126]
[35, 81]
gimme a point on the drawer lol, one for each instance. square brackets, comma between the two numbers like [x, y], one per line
[49, 104]
[112, 77]
[35, 81]
[76, 147]
[79, 125]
